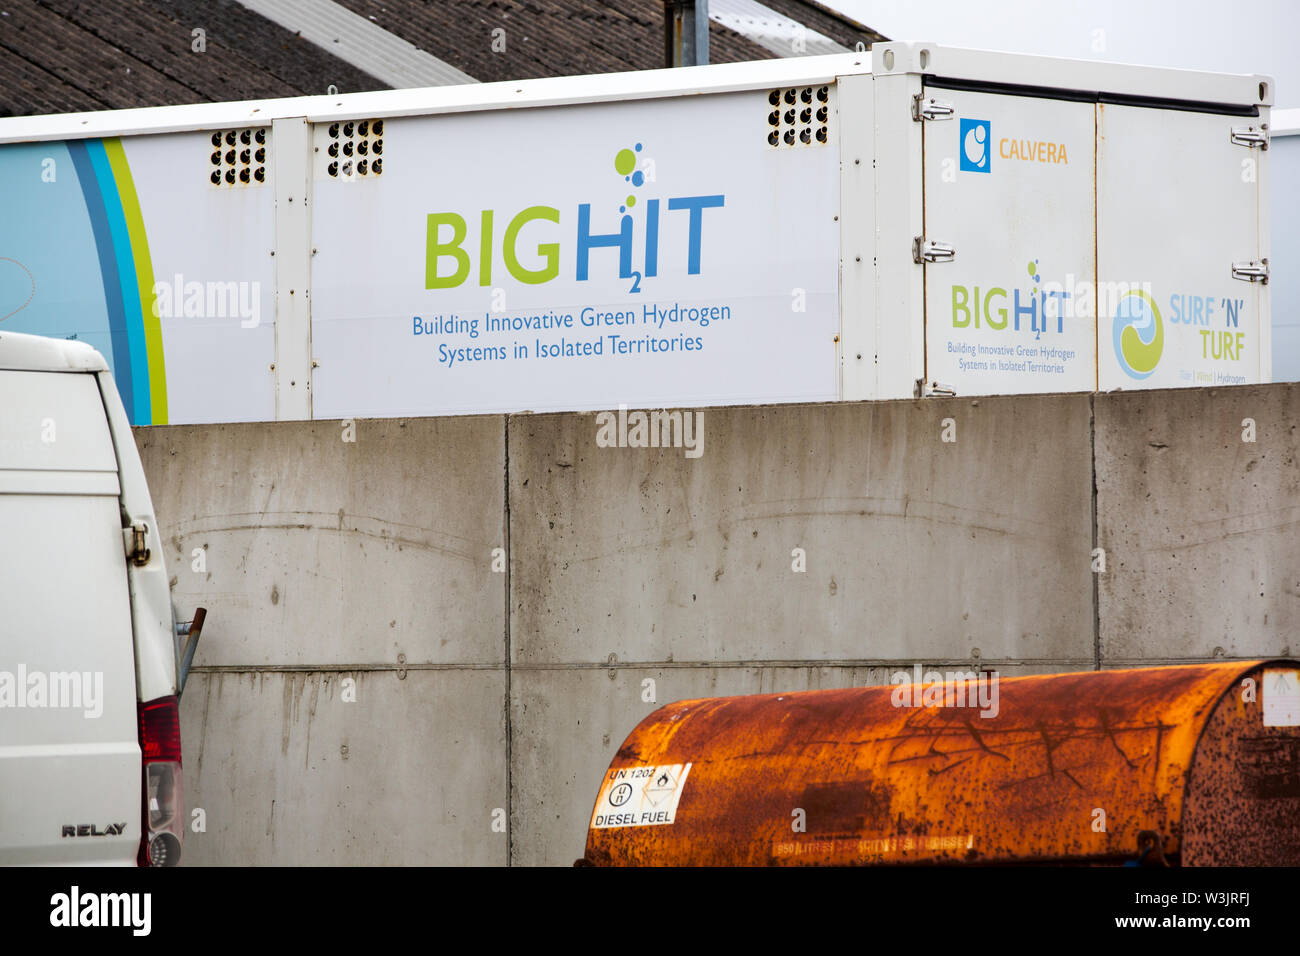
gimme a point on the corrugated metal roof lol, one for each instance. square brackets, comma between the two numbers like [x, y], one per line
[840, 27]
[522, 39]
[357, 40]
[771, 30]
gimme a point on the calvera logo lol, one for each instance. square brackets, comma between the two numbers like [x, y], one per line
[975, 138]
[675, 223]
[1139, 334]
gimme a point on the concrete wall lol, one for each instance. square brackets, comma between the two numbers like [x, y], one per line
[1201, 528]
[916, 549]
[322, 560]
[640, 576]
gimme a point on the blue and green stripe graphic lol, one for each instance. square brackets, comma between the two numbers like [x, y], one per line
[127, 274]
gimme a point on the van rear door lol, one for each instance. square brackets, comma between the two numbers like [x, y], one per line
[70, 770]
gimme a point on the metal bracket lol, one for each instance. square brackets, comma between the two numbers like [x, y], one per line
[1252, 270]
[1250, 136]
[923, 389]
[193, 630]
[136, 539]
[928, 108]
[931, 250]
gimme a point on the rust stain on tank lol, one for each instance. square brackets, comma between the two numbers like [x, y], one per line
[1080, 767]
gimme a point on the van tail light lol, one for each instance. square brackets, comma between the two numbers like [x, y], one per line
[163, 812]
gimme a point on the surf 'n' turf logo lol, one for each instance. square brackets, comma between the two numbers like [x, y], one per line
[1139, 334]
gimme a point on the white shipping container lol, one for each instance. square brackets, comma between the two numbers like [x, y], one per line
[1284, 284]
[908, 221]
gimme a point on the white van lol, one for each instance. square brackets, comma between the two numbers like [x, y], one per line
[90, 675]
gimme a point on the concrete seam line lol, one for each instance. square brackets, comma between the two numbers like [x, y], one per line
[359, 42]
[772, 31]
[337, 668]
[1092, 517]
[509, 694]
[799, 664]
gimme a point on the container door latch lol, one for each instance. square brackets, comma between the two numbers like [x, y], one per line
[1250, 136]
[931, 250]
[1253, 270]
[928, 108]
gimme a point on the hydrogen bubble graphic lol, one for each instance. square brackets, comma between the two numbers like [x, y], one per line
[638, 178]
[622, 209]
[638, 147]
[631, 201]
[625, 162]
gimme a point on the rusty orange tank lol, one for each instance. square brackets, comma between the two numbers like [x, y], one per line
[1192, 765]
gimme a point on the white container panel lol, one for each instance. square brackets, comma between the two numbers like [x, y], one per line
[1177, 205]
[1009, 184]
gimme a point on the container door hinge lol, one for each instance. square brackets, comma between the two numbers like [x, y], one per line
[928, 108]
[931, 250]
[1254, 137]
[924, 389]
[1253, 270]
[136, 539]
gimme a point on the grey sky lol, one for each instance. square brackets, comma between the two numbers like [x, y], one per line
[1258, 37]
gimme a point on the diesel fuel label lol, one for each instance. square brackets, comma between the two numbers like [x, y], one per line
[640, 796]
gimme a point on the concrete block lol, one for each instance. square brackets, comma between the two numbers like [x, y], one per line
[915, 547]
[1201, 529]
[289, 774]
[314, 551]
